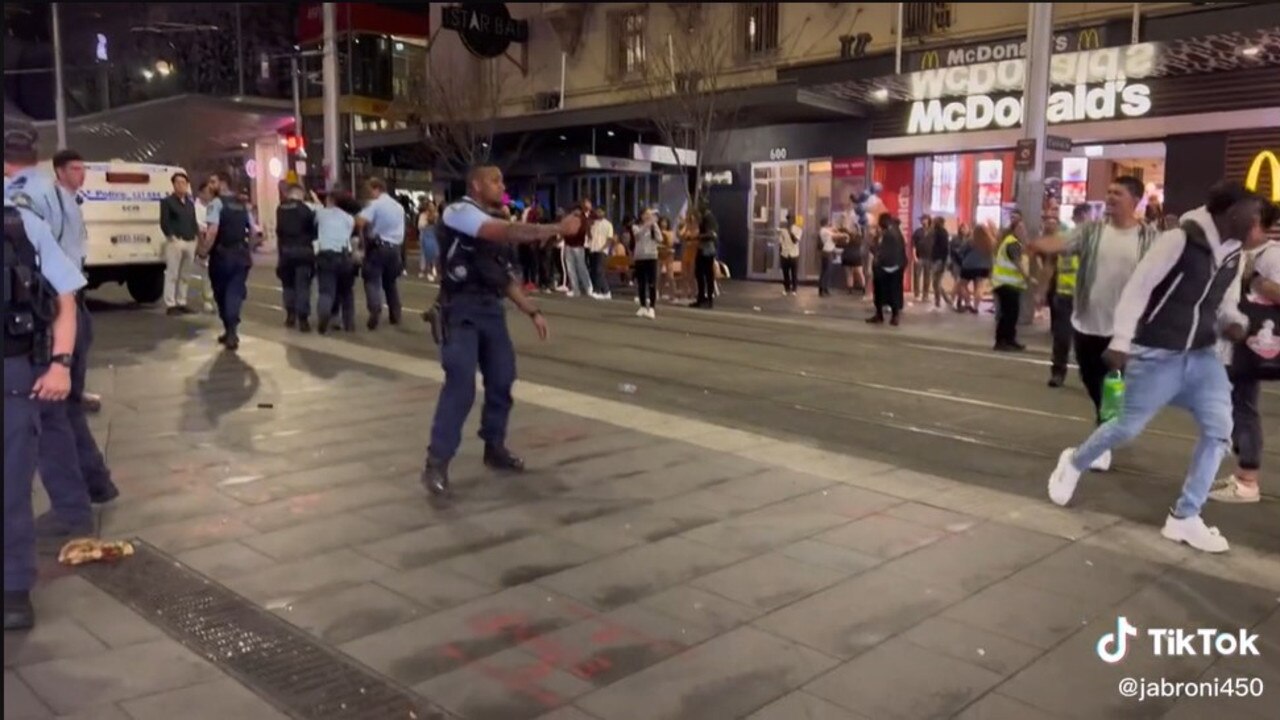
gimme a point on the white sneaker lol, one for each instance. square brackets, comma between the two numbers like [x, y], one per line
[1195, 533]
[649, 313]
[1231, 490]
[1103, 463]
[571, 294]
[642, 312]
[636, 300]
[1065, 477]
[606, 296]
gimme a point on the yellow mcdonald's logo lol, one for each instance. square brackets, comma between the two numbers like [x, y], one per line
[929, 61]
[1255, 173]
[1088, 39]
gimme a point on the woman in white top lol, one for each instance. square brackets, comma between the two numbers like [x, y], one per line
[789, 254]
[647, 237]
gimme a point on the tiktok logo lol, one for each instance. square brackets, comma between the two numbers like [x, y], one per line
[1113, 646]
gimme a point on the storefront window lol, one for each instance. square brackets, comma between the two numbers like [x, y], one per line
[943, 196]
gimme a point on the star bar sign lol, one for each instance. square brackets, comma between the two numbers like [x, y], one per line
[486, 29]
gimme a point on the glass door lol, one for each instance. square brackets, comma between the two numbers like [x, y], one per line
[818, 207]
[777, 195]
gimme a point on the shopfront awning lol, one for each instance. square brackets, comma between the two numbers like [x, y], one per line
[181, 130]
[774, 104]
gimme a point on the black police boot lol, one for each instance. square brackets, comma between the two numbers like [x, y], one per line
[18, 613]
[323, 326]
[435, 477]
[304, 324]
[290, 321]
[499, 457]
[233, 342]
[103, 492]
[222, 339]
[372, 324]
[1057, 379]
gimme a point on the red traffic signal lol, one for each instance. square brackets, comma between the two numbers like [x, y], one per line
[293, 143]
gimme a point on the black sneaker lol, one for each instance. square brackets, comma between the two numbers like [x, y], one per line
[233, 342]
[372, 324]
[1057, 380]
[291, 321]
[304, 325]
[323, 326]
[435, 477]
[500, 458]
[894, 320]
[876, 319]
[18, 613]
[222, 339]
[103, 492]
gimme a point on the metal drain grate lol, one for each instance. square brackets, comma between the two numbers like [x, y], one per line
[280, 662]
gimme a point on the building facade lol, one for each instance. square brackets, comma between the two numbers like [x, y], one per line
[823, 105]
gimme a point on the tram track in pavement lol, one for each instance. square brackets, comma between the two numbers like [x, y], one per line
[930, 432]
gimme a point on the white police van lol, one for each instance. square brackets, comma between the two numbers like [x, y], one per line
[121, 206]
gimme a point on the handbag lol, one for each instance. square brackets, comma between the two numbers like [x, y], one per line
[1257, 357]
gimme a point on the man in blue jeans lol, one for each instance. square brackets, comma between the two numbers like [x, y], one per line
[1183, 292]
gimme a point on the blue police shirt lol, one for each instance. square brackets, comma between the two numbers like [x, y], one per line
[42, 197]
[334, 227]
[55, 266]
[386, 219]
[75, 235]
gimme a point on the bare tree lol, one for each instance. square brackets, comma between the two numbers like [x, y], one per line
[457, 114]
[685, 80]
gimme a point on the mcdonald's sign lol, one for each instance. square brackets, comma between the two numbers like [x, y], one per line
[1088, 39]
[929, 61]
[1252, 178]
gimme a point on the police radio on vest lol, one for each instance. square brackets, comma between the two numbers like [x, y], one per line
[979, 112]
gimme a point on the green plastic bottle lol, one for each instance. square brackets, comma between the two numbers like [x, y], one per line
[1112, 395]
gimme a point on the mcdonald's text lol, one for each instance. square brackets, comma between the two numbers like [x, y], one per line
[1073, 68]
[980, 112]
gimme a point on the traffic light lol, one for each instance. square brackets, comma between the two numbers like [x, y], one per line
[293, 143]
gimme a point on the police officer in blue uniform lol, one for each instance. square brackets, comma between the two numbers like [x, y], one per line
[71, 465]
[381, 224]
[335, 271]
[296, 233]
[226, 245]
[39, 339]
[477, 276]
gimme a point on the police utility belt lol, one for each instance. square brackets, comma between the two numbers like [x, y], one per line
[30, 302]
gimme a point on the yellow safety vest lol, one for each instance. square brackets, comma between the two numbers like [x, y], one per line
[1068, 266]
[1006, 271]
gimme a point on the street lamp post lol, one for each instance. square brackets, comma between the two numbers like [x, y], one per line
[330, 76]
[1035, 104]
[59, 89]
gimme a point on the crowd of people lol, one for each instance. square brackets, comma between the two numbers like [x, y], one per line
[664, 262]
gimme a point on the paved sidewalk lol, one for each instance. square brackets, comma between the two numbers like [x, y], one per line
[648, 567]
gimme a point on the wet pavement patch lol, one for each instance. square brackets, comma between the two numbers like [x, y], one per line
[278, 661]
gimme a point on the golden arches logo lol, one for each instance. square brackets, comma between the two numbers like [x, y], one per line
[1088, 39]
[930, 61]
[1255, 173]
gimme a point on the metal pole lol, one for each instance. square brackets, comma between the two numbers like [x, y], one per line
[1035, 104]
[239, 55]
[897, 51]
[60, 91]
[330, 74]
[564, 61]
[297, 96]
[351, 88]
[1136, 24]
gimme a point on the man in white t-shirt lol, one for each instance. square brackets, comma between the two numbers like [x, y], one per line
[599, 242]
[1109, 252]
[1263, 288]
[826, 236]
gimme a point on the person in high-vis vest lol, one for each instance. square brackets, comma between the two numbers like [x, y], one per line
[1010, 279]
[1061, 300]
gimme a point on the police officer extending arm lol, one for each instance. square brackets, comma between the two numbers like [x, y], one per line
[476, 278]
[39, 339]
